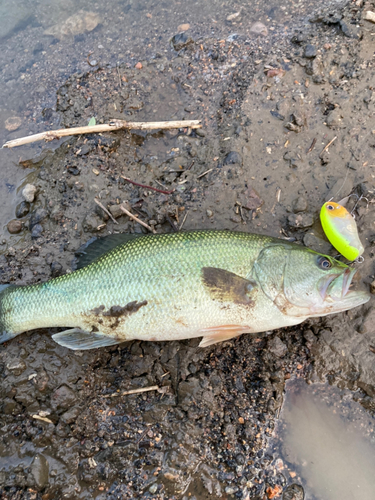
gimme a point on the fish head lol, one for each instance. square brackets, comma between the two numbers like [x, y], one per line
[304, 283]
[320, 284]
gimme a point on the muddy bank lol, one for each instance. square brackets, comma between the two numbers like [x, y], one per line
[270, 105]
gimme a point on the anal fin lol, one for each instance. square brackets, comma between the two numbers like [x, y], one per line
[77, 339]
[216, 334]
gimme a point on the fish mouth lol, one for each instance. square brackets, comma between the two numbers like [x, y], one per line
[336, 286]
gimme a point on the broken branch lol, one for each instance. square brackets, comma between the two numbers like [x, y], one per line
[105, 127]
[129, 214]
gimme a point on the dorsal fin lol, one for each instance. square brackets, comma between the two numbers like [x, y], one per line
[96, 247]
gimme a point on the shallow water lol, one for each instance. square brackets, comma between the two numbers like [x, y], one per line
[328, 440]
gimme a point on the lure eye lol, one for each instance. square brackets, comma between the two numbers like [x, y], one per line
[330, 207]
[324, 263]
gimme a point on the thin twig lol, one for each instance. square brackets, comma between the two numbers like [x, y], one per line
[43, 419]
[147, 187]
[205, 173]
[312, 146]
[328, 145]
[137, 220]
[105, 210]
[119, 76]
[105, 127]
[162, 390]
[183, 221]
[173, 226]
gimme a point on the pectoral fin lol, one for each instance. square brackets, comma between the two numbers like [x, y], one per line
[77, 339]
[220, 333]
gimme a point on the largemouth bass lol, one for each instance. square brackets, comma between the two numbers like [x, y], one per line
[211, 284]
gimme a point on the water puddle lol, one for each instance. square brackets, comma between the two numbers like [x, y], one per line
[326, 442]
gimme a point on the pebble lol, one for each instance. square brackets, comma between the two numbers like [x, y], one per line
[232, 158]
[309, 51]
[16, 366]
[299, 204]
[14, 226]
[153, 488]
[209, 213]
[13, 123]
[258, 28]
[139, 65]
[37, 216]
[300, 220]
[372, 287]
[334, 119]
[294, 492]
[28, 192]
[22, 209]
[180, 41]
[74, 25]
[63, 398]
[277, 347]
[183, 27]
[56, 269]
[36, 231]
[40, 471]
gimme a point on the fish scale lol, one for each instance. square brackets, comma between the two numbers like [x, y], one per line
[164, 287]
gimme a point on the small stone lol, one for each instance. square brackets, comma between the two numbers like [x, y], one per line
[233, 158]
[85, 149]
[40, 471]
[153, 488]
[62, 398]
[139, 65]
[232, 18]
[70, 416]
[309, 51]
[80, 22]
[180, 41]
[37, 216]
[369, 16]
[28, 192]
[300, 221]
[16, 366]
[209, 213]
[13, 123]
[334, 119]
[372, 287]
[294, 491]
[14, 226]
[316, 243]
[349, 30]
[116, 211]
[299, 204]
[91, 222]
[73, 170]
[299, 37]
[277, 347]
[22, 209]
[56, 269]
[183, 27]
[258, 28]
[36, 231]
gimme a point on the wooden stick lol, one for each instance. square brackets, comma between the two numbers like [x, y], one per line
[328, 145]
[137, 220]
[105, 127]
[105, 210]
[162, 390]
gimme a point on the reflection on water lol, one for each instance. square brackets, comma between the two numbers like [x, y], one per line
[329, 441]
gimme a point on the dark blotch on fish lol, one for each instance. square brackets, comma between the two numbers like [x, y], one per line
[225, 286]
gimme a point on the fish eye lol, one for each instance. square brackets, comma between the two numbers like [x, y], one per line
[330, 207]
[324, 263]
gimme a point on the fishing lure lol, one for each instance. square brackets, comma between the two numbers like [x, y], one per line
[341, 230]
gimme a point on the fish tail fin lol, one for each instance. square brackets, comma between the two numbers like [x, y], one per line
[5, 334]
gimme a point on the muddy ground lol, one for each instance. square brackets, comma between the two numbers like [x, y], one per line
[269, 104]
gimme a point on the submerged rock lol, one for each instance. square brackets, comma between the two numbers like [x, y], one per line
[40, 471]
[14, 226]
[22, 209]
[75, 25]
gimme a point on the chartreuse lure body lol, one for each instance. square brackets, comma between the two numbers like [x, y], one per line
[341, 230]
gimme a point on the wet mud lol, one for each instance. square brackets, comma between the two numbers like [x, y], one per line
[270, 104]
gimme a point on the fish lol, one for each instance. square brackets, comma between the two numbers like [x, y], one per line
[211, 284]
[341, 230]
